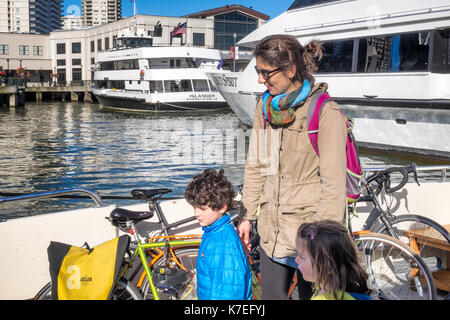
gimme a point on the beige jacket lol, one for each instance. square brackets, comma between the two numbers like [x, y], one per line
[282, 187]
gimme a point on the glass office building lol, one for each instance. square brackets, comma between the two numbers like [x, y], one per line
[228, 24]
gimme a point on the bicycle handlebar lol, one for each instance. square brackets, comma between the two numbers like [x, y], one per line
[383, 178]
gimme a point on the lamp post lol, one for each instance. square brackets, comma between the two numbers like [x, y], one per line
[234, 47]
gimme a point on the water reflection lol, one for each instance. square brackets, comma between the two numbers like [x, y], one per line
[55, 146]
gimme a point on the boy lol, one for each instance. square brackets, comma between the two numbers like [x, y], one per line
[223, 272]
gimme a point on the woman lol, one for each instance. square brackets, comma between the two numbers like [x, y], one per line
[283, 186]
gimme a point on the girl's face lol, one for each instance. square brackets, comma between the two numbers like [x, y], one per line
[277, 81]
[304, 261]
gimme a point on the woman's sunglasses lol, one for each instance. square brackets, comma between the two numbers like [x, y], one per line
[266, 73]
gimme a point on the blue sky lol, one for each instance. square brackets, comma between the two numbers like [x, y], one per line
[175, 8]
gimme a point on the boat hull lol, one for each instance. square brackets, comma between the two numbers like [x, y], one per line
[411, 126]
[137, 104]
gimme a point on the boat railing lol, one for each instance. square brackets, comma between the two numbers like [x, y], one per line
[52, 194]
[160, 44]
[442, 168]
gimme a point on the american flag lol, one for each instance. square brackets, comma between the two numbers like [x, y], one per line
[180, 29]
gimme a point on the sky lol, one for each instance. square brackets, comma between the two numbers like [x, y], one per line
[176, 8]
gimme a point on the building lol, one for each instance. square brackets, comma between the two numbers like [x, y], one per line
[29, 51]
[30, 16]
[72, 54]
[231, 24]
[72, 22]
[98, 12]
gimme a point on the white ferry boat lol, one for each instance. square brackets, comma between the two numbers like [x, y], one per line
[387, 64]
[139, 74]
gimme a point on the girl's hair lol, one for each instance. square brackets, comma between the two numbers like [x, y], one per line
[334, 258]
[283, 51]
[210, 188]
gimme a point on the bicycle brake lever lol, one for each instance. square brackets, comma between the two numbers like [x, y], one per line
[415, 177]
[413, 168]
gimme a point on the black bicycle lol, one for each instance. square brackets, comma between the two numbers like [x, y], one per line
[401, 226]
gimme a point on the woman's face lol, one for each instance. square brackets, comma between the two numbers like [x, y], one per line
[278, 81]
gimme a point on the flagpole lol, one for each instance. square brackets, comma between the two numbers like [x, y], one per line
[134, 2]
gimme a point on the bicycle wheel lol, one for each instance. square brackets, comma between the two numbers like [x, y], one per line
[432, 234]
[395, 271]
[176, 284]
[45, 293]
[123, 291]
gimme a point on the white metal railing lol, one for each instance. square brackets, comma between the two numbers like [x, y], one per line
[51, 194]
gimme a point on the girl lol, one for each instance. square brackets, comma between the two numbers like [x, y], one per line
[327, 257]
[282, 184]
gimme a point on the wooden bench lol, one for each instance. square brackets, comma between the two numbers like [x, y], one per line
[433, 239]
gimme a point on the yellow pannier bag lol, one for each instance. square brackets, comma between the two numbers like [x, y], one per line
[83, 273]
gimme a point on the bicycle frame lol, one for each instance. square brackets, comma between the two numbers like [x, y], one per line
[141, 247]
[377, 213]
[140, 250]
[154, 206]
[171, 249]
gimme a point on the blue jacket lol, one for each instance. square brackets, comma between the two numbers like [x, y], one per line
[223, 272]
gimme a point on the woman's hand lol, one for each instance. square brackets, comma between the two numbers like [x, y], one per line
[244, 233]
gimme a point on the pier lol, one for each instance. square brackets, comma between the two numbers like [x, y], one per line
[14, 92]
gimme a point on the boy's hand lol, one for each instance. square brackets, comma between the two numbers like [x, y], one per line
[244, 233]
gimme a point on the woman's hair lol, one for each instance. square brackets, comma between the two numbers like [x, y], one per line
[210, 188]
[283, 51]
[334, 258]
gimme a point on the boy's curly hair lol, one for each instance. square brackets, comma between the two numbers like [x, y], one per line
[210, 188]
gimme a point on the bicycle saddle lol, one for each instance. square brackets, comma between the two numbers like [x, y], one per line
[120, 216]
[147, 194]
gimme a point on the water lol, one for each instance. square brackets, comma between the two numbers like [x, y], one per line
[53, 146]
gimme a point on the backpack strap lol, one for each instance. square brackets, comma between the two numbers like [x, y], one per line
[318, 100]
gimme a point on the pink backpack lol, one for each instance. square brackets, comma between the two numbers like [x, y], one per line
[354, 171]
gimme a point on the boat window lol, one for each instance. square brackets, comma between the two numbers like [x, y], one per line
[306, 3]
[441, 52]
[178, 85]
[119, 65]
[186, 85]
[107, 65]
[212, 86]
[402, 52]
[191, 63]
[175, 63]
[134, 42]
[337, 56]
[200, 85]
[116, 84]
[156, 86]
[131, 64]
